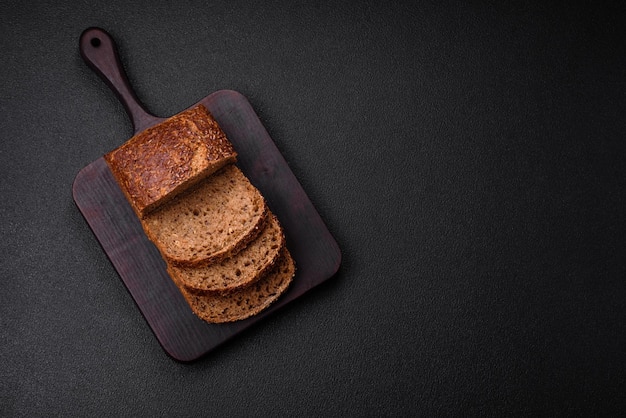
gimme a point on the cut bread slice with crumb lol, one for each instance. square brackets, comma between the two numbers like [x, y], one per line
[208, 223]
[238, 271]
[245, 302]
[162, 161]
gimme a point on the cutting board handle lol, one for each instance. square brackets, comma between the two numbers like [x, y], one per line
[99, 52]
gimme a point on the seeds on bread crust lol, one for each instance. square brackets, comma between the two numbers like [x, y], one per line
[159, 163]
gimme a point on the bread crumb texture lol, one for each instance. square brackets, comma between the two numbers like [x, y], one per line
[245, 302]
[210, 222]
[237, 271]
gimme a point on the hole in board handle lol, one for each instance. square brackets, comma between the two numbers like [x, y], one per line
[95, 42]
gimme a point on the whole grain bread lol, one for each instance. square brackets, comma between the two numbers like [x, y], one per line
[210, 222]
[238, 271]
[247, 301]
[160, 162]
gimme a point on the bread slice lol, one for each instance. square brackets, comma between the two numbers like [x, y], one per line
[238, 271]
[210, 222]
[245, 302]
[157, 164]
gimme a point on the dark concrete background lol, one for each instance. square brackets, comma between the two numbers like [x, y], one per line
[468, 158]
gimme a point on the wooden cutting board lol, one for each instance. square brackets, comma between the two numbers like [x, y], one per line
[181, 334]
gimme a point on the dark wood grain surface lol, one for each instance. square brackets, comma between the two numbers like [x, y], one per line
[139, 264]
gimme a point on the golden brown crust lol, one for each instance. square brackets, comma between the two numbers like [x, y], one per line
[157, 164]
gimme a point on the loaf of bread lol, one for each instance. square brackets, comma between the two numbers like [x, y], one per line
[157, 164]
[238, 271]
[223, 248]
[210, 222]
[247, 301]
